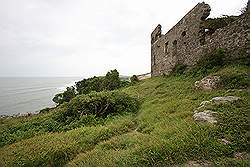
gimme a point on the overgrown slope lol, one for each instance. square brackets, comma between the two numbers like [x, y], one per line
[161, 133]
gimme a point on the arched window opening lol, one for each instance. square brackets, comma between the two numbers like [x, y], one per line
[166, 48]
[174, 53]
[183, 33]
[175, 43]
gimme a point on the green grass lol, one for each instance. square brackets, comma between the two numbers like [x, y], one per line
[161, 133]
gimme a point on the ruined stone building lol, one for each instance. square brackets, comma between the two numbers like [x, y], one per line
[188, 40]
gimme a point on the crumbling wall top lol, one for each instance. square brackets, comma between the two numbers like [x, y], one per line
[156, 34]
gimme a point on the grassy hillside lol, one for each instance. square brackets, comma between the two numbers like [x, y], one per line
[161, 133]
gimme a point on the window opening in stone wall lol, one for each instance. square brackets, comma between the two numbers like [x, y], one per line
[166, 48]
[183, 33]
[174, 48]
[175, 43]
[202, 36]
[153, 59]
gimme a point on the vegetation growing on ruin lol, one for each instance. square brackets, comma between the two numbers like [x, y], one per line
[212, 24]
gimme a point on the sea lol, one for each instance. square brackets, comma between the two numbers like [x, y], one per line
[22, 95]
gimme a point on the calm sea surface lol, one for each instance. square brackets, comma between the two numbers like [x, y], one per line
[29, 95]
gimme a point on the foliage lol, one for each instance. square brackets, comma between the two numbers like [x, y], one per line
[211, 62]
[234, 76]
[134, 79]
[236, 81]
[99, 104]
[66, 96]
[212, 24]
[179, 69]
[45, 110]
[161, 133]
[112, 80]
[125, 83]
[55, 149]
[27, 128]
[83, 110]
[241, 57]
[85, 86]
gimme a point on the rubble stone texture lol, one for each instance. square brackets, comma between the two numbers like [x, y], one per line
[208, 83]
[187, 41]
[205, 116]
[226, 99]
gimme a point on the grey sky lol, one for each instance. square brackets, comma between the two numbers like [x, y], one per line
[87, 37]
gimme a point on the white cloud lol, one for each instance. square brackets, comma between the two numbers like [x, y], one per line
[87, 37]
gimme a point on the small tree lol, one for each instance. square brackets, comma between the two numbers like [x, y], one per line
[66, 96]
[58, 99]
[112, 80]
[69, 94]
[85, 86]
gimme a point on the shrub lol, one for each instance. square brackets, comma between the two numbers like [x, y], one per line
[134, 79]
[45, 110]
[99, 104]
[112, 80]
[124, 83]
[85, 86]
[66, 96]
[107, 83]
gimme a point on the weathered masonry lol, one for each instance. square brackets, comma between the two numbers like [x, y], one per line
[188, 40]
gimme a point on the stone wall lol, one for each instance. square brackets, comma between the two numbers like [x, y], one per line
[187, 41]
[144, 76]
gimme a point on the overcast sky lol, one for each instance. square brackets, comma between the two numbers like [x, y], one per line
[87, 37]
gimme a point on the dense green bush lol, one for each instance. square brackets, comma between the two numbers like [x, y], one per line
[83, 110]
[85, 86]
[110, 81]
[99, 104]
[66, 96]
[125, 83]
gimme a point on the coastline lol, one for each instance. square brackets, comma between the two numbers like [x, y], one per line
[24, 96]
